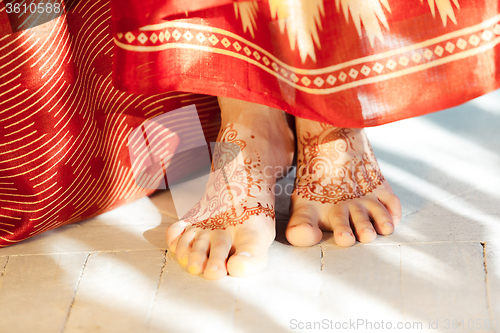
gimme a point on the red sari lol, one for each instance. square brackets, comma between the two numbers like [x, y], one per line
[73, 89]
[351, 63]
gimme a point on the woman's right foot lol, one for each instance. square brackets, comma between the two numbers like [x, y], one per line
[232, 227]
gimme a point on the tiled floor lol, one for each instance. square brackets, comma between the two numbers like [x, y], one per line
[441, 268]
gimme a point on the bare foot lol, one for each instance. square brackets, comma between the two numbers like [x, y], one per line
[339, 188]
[231, 228]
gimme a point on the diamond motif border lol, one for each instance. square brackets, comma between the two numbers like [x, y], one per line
[327, 80]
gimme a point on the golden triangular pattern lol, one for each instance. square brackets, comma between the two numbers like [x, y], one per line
[247, 10]
[302, 19]
[445, 9]
[366, 12]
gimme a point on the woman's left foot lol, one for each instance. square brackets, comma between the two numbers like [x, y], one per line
[339, 188]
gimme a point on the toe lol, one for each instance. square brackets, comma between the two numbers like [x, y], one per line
[382, 220]
[199, 253]
[392, 204]
[302, 229]
[363, 227]
[184, 246]
[220, 244]
[250, 255]
[339, 220]
[174, 231]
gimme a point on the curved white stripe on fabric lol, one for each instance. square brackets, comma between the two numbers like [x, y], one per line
[380, 78]
[406, 49]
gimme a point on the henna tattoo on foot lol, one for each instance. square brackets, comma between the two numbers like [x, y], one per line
[232, 218]
[234, 180]
[330, 170]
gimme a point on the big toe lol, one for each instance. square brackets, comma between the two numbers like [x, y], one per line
[302, 229]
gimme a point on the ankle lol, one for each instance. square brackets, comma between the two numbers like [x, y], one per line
[251, 115]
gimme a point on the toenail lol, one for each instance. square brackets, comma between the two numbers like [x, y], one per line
[184, 259]
[194, 264]
[245, 254]
[388, 224]
[369, 230]
[347, 234]
[213, 269]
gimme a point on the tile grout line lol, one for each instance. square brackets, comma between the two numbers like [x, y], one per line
[321, 278]
[74, 294]
[486, 282]
[2, 272]
[321, 258]
[162, 271]
[400, 281]
[80, 252]
[406, 243]
[235, 307]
